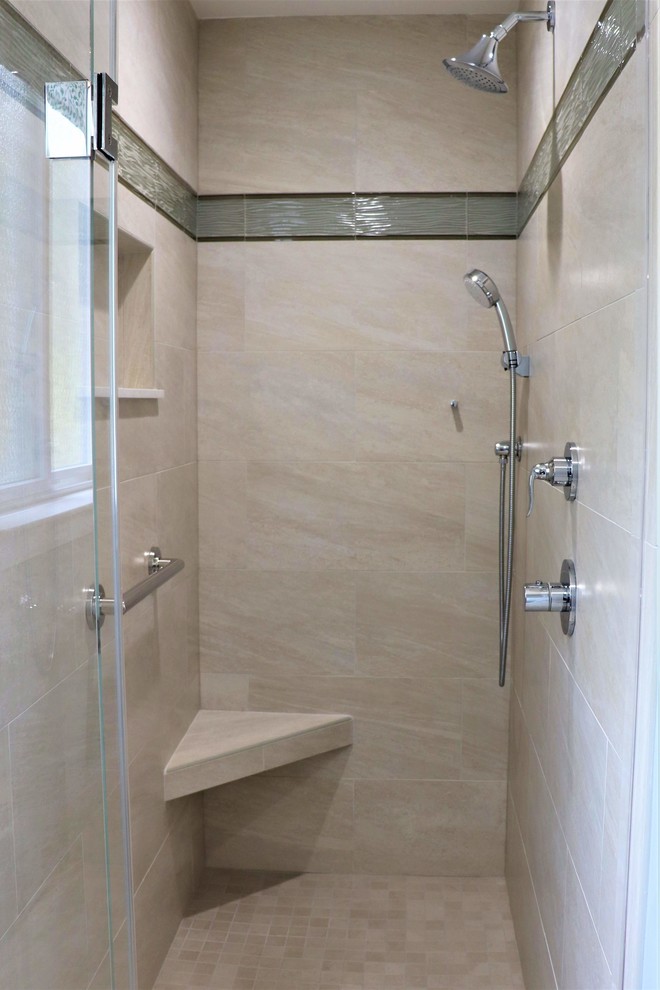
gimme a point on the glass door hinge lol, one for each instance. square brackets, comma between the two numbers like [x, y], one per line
[79, 118]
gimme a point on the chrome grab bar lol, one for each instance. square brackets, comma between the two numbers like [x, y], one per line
[161, 569]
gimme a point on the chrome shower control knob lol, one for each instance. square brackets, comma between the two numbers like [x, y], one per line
[547, 596]
[560, 472]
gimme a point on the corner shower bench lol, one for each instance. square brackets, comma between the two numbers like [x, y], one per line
[223, 746]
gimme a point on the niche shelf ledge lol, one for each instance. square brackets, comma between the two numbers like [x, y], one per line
[223, 746]
[131, 393]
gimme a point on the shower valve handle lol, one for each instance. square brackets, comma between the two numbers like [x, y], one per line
[560, 472]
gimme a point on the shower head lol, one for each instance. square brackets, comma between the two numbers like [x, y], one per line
[478, 67]
[482, 288]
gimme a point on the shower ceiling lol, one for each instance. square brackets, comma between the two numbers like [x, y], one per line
[307, 8]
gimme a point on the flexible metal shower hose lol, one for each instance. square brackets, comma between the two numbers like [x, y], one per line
[506, 538]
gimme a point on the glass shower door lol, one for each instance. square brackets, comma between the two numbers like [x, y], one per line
[61, 840]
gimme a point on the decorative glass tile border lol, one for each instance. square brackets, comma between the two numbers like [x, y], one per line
[611, 44]
[145, 173]
[357, 215]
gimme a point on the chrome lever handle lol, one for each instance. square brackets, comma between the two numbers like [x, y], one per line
[559, 472]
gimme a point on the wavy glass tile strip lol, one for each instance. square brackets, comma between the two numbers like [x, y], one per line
[492, 216]
[611, 44]
[28, 61]
[419, 215]
[299, 216]
[146, 174]
[221, 218]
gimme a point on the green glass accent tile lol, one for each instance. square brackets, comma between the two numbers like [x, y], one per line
[299, 216]
[221, 218]
[610, 46]
[144, 172]
[27, 57]
[411, 215]
[492, 215]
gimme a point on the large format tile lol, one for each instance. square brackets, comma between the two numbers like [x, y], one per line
[276, 823]
[275, 407]
[584, 966]
[268, 623]
[56, 766]
[46, 946]
[7, 868]
[403, 406]
[425, 625]
[453, 828]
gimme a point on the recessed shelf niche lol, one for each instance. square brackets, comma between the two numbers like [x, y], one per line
[136, 369]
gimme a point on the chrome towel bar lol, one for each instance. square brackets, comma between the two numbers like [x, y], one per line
[161, 569]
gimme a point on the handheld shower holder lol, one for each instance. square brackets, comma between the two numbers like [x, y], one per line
[518, 361]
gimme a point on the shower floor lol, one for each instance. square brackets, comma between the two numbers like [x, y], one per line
[313, 931]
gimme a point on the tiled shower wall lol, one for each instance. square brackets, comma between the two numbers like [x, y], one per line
[348, 518]
[582, 310]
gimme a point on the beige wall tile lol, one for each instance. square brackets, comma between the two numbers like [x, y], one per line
[484, 729]
[536, 85]
[322, 95]
[221, 296]
[534, 955]
[574, 22]
[7, 869]
[46, 946]
[614, 864]
[257, 824]
[403, 411]
[65, 25]
[425, 625]
[177, 524]
[583, 964]
[157, 54]
[273, 406]
[481, 515]
[163, 895]
[223, 522]
[56, 780]
[448, 827]
[268, 623]
[175, 285]
[224, 692]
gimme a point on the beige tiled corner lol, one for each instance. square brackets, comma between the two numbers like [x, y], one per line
[614, 864]
[163, 894]
[135, 217]
[576, 769]
[175, 285]
[221, 296]
[484, 729]
[448, 827]
[157, 45]
[427, 624]
[139, 532]
[574, 22]
[298, 406]
[177, 524]
[583, 961]
[534, 955]
[224, 692]
[403, 406]
[547, 856]
[268, 623]
[259, 823]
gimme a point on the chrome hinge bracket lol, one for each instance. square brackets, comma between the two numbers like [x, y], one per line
[78, 118]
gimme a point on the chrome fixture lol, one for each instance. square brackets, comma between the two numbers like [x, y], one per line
[478, 67]
[453, 403]
[544, 596]
[559, 472]
[159, 569]
[482, 288]
[78, 118]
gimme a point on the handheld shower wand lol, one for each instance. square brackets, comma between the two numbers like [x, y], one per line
[482, 288]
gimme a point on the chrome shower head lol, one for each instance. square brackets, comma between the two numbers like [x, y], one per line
[482, 288]
[478, 67]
